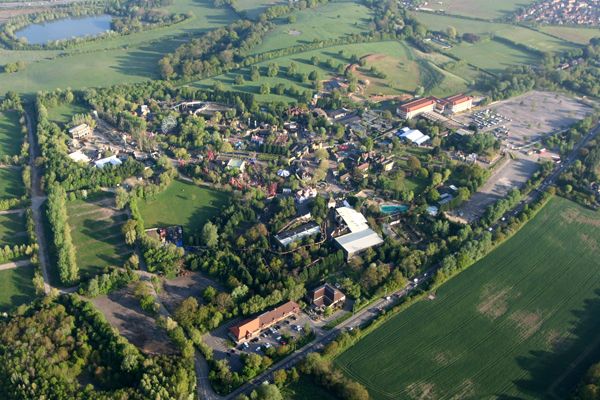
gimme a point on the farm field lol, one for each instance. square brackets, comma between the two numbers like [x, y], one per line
[406, 69]
[497, 330]
[182, 204]
[579, 35]
[333, 20]
[11, 182]
[122, 59]
[12, 229]
[11, 137]
[96, 231]
[16, 287]
[487, 9]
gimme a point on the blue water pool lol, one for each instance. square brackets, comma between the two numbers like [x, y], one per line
[393, 208]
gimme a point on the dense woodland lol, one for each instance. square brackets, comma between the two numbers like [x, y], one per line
[49, 348]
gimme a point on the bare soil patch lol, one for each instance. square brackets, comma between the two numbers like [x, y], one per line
[294, 32]
[527, 322]
[421, 391]
[444, 358]
[123, 311]
[192, 284]
[493, 302]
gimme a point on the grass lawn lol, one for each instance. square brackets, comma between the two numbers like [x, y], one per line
[487, 9]
[406, 69]
[12, 229]
[63, 113]
[306, 389]
[253, 8]
[333, 20]
[11, 182]
[123, 59]
[182, 204]
[581, 35]
[96, 231]
[493, 56]
[519, 34]
[522, 323]
[11, 137]
[16, 287]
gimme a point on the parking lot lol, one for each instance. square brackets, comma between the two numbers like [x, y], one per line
[523, 121]
[520, 124]
[281, 333]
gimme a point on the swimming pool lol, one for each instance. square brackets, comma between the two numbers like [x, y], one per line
[393, 208]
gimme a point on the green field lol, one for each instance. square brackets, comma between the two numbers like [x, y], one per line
[12, 229]
[519, 34]
[16, 287]
[63, 113]
[405, 67]
[96, 231]
[182, 204]
[306, 389]
[122, 59]
[581, 35]
[522, 323]
[11, 137]
[253, 8]
[11, 182]
[333, 20]
[487, 9]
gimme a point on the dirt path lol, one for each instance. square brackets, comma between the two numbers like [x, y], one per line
[15, 211]
[37, 200]
[14, 264]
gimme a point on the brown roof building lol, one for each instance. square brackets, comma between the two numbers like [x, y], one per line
[455, 104]
[250, 328]
[327, 296]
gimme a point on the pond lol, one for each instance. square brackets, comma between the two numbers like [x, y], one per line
[67, 28]
[393, 208]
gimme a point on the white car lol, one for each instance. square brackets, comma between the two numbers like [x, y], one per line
[258, 349]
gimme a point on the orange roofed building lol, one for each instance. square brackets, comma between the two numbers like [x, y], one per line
[456, 104]
[416, 107]
[251, 328]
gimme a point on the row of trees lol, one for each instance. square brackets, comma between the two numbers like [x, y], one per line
[62, 243]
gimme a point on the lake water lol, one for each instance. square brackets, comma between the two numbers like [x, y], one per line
[67, 28]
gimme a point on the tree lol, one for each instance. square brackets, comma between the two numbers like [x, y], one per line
[268, 392]
[265, 89]
[210, 235]
[121, 198]
[451, 32]
[129, 230]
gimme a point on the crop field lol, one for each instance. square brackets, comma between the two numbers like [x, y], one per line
[579, 35]
[16, 287]
[11, 137]
[11, 183]
[182, 204]
[498, 330]
[12, 229]
[333, 20]
[122, 59]
[96, 231]
[406, 69]
[486, 9]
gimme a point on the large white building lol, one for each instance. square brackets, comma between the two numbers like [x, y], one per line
[361, 236]
[414, 136]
